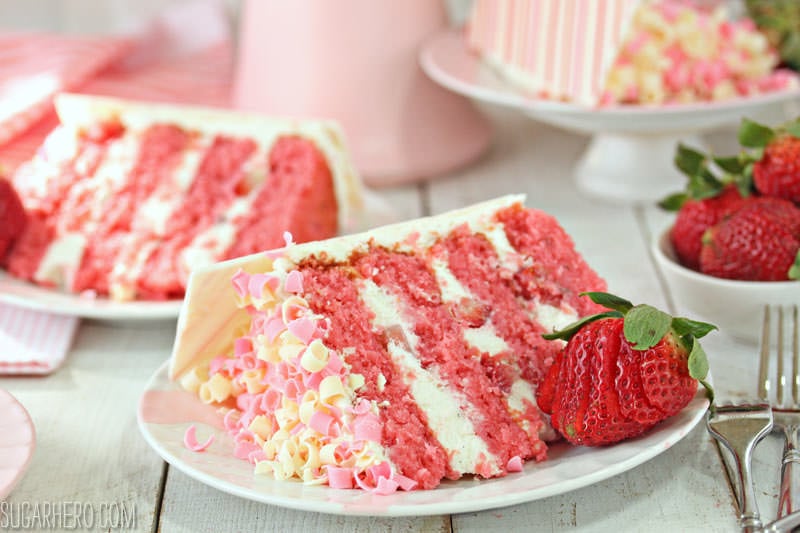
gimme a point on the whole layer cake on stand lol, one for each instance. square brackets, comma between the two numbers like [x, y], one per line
[624, 51]
[638, 76]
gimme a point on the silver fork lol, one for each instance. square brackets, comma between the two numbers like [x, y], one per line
[785, 408]
[739, 427]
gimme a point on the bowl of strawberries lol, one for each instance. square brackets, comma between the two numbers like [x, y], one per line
[734, 246]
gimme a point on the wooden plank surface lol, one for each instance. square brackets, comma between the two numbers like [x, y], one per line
[89, 449]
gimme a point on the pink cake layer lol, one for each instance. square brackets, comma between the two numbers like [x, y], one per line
[13, 214]
[297, 195]
[431, 328]
[415, 449]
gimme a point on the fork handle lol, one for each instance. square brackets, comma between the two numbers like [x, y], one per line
[749, 517]
[790, 489]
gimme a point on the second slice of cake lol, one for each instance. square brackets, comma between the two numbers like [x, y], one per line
[393, 358]
[125, 198]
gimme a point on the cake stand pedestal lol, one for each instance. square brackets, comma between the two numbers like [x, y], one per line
[632, 169]
[630, 157]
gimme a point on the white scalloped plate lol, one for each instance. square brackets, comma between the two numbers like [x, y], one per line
[23, 294]
[17, 441]
[165, 412]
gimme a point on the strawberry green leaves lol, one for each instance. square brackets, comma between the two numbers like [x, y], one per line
[754, 135]
[568, 332]
[703, 183]
[698, 368]
[645, 326]
[689, 161]
[610, 301]
[794, 270]
[709, 174]
[685, 326]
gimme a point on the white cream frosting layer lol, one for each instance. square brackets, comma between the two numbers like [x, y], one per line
[449, 414]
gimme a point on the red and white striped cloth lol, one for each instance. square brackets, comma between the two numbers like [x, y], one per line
[33, 67]
[32, 342]
[185, 55]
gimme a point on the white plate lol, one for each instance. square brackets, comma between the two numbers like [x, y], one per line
[23, 294]
[17, 441]
[165, 412]
[630, 158]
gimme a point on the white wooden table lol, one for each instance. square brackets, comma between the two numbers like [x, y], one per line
[90, 450]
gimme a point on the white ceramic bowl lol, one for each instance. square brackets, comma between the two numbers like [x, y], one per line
[735, 307]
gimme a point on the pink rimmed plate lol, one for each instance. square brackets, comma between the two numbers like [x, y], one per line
[17, 442]
[165, 412]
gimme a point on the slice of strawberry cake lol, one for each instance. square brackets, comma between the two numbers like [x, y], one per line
[124, 199]
[394, 358]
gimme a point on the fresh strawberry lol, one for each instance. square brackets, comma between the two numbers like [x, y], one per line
[782, 211]
[772, 159]
[777, 173]
[705, 201]
[621, 372]
[12, 217]
[753, 244]
[695, 217]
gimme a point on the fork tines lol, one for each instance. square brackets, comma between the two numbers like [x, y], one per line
[785, 319]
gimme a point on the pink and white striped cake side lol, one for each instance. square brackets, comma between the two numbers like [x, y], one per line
[99, 173]
[560, 50]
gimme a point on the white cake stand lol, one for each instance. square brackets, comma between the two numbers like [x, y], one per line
[629, 159]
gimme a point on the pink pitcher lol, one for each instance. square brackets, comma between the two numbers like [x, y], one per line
[355, 61]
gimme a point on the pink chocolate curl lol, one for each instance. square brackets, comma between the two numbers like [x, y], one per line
[241, 346]
[231, 420]
[367, 427]
[340, 477]
[245, 449]
[303, 329]
[240, 282]
[190, 440]
[406, 483]
[294, 282]
[273, 328]
[258, 281]
[321, 423]
[386, 486]
[514, 464]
